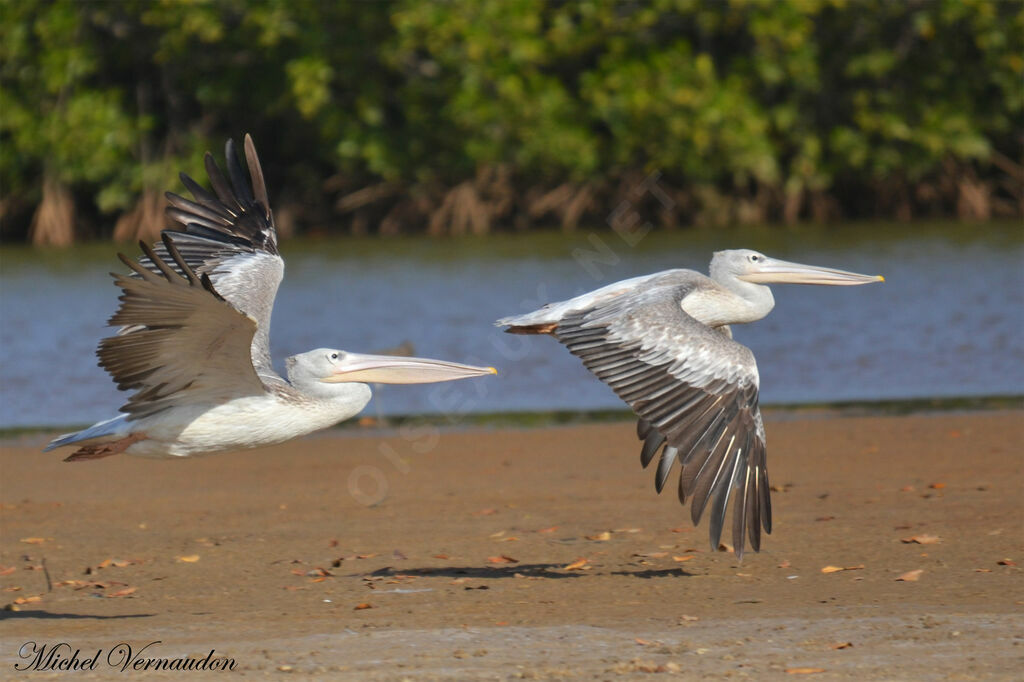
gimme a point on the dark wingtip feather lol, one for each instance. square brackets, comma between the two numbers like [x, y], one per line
[147, 251]
[702, 486]
[715, 535]
[739, 515]
[208, 285]
[237, 175]
[198, 192]
[650, 447]
[160, 264]
[719, 506]
[259, 184]
[766, 503]
[753, 515]
[738, 526]
[220, 184]
[172, 250]
[668, 458]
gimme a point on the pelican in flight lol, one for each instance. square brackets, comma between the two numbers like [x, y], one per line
[662, 342]
[194, 338]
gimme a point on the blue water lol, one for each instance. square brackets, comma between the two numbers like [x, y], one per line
[948, 321]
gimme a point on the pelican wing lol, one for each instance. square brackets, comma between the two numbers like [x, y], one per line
[181, 341]
[696, 393]
[229, 235]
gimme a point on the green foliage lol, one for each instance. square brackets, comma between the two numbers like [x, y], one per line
[791, 97]
[54, 114]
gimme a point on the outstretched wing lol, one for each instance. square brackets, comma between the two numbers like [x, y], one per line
[229, 235]
[696, 393]
[181, 342]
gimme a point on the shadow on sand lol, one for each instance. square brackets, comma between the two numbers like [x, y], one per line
[514, 570]
[48, 615]
[508, 571]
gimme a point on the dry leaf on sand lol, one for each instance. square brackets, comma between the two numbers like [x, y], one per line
[836, 569]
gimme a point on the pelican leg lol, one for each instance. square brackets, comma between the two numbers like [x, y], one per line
[544, 328]
[100, 450]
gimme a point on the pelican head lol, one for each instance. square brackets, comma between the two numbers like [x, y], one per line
[331, 366]
[751, 266]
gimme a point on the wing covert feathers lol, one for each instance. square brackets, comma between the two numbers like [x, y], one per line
[181, 342]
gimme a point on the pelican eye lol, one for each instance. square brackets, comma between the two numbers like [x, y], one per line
[334, 356]
[754, 258]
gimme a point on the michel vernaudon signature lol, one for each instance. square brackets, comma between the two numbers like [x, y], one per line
[121, 657]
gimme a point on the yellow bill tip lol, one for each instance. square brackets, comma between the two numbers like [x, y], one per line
[881, 278]
[491, 370]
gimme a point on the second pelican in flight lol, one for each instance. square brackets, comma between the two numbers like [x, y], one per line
[663, 344]
[194, 338]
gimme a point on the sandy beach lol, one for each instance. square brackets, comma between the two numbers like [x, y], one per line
[544, 553]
